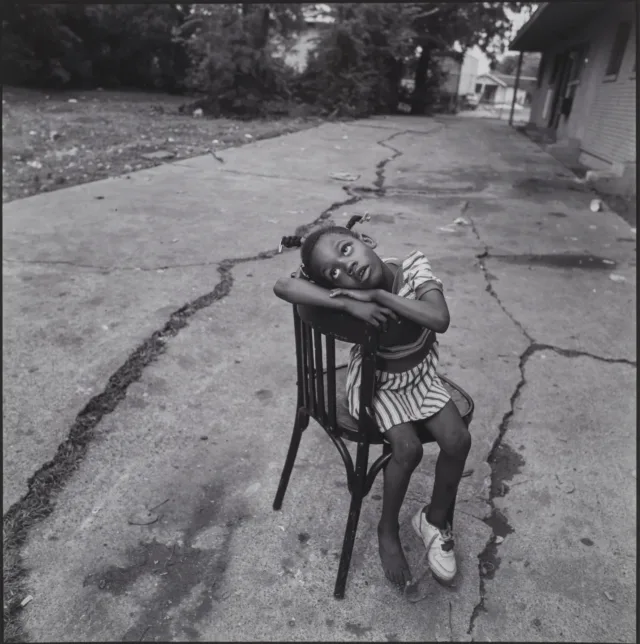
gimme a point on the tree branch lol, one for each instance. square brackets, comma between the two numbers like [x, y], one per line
[428, 13]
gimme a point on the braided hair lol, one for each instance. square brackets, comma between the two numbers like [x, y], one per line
[308, 243]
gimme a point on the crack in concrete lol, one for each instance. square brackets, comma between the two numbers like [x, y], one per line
[44, 485]
[380, 168]
[487, 560]
[378, 190]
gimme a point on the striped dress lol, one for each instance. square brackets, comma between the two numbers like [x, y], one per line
[415, 394]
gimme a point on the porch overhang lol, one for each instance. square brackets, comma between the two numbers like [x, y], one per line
[552, 21]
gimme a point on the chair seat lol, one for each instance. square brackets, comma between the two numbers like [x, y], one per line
[349, 425]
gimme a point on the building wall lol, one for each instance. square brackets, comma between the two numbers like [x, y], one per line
[503, 95]
[460, 79]
[469, 73]
[610, 126]
[603, 115]
[451, 68]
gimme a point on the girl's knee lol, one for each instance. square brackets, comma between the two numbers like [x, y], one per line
[407, 452]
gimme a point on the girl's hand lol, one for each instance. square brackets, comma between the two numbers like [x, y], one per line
[366, 295]
[370, 312]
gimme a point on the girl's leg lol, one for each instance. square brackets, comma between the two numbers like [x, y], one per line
[406, 453]
[454, 440]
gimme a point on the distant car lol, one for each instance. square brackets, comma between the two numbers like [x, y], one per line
[470, 101]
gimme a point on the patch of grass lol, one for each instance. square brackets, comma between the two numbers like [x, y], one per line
[50, 143]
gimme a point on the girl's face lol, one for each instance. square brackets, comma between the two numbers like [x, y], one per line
[347, 262]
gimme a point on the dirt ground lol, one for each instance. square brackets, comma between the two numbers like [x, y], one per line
[60, 139]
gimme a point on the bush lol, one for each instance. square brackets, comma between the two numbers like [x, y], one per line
[356, 67]
[78, 45]
[232, 64]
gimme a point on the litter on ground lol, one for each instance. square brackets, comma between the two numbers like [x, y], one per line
[344, 176]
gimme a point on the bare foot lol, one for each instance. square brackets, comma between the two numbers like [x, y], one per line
[394, 564]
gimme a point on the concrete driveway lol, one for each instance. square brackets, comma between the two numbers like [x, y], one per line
[148, 366]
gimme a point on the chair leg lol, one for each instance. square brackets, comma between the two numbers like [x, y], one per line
[298, 428]
[357, 495]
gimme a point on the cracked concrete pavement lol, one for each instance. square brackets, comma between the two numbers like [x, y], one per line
[141, 333]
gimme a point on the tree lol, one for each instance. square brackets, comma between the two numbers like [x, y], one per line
[361, 60]
[78, 45]
[441, 25]
[357, 65]
[232, 56]
[509, 64]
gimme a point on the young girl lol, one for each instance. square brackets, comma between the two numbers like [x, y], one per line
[343, 272]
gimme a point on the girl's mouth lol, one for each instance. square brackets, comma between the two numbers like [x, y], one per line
[363, 273]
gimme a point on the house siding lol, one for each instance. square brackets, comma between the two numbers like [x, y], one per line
[610, 128]
[603, 116]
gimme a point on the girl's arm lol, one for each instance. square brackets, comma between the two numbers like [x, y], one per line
[430, 311]
[301, 291]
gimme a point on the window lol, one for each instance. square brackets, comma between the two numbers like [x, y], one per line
[617, 51]
[478, 88]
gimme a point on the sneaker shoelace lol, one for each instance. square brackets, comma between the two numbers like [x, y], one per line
[447, 540]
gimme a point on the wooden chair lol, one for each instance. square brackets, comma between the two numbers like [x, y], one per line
[322, 396]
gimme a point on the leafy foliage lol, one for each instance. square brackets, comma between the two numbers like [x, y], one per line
[232, 60]
[357, 65]
[509, 64]
[361, 60]
[77, 45]
[227, 53]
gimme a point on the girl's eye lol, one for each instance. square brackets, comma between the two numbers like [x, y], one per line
[334, 273]
[346, 249]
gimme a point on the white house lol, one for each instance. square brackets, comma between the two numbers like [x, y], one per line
[461, 72]
[498, 89]
[585, 95]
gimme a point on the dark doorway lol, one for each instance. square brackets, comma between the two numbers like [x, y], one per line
[566, 71]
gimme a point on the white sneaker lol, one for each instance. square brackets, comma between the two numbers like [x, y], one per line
[439, 545]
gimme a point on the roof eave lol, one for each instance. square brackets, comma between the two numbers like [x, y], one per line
[527, 26]
[552, 21]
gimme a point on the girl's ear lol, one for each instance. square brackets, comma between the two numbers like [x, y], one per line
[369, 241]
